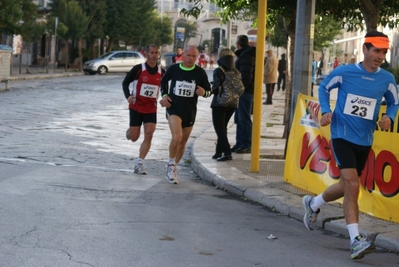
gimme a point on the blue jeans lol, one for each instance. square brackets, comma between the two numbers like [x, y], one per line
[242, 118]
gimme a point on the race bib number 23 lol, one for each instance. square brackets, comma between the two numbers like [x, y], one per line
[360, 106]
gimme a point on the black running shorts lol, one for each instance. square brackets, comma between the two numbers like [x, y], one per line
[187, 118]
[137, 118]
[350, 155]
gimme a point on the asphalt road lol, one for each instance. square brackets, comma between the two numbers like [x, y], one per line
[69, 196]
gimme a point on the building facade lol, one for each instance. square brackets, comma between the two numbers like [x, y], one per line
[209, 26]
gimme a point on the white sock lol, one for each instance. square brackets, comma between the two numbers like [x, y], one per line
[353, 229]
[172, 161]
[317, 202]
[140, 161]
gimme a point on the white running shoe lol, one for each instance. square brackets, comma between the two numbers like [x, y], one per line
[171, 173]
[310, 217]
[360, 247]
[138, 168]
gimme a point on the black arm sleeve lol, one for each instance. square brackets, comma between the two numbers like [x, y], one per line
[205, 84]
[130, 77]
[165, 81]
[246, 69]
[218, 79]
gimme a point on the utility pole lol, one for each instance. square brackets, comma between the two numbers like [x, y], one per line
[304, 35]
[229, 34]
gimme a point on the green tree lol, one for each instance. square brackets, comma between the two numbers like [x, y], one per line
[161, 31]
[326, 29]
[164, 29]
[12, 14]
[30, 28]
[75, 20]
[361, 14]
[353, 15]
[142, 23]
[278, 34]
[95, 11]
[128, 21]
[190, 31]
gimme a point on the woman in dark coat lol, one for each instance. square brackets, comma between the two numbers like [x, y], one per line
[221, 114]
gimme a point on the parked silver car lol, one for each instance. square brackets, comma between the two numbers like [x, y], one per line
[115, 61]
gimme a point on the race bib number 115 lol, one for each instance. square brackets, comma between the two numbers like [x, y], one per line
[184, 89]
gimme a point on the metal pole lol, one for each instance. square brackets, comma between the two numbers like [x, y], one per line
[162, 11]
[257, 110]
[229, 34]
[220, 34]
[304, 35]
[56, 44]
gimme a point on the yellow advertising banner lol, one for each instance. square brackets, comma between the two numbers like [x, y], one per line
[310, 162]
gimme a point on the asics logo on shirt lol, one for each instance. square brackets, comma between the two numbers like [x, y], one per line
[182, 85]
[361, 101]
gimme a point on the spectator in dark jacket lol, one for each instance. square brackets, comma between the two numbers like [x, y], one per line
[282, 70]
[320, 65]
[245, 64]
[221, 114]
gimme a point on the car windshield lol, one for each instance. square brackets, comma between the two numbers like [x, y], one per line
[105, 55]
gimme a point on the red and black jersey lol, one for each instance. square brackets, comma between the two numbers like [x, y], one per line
[143, 83]
[177, 58]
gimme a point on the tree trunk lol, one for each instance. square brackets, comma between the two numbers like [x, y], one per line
[370, 13]
[27, 71]
[110, 44]
[288, 87]
[80, 54]
[66, 55]
[46, 51]
[93, 53]
[101, 47]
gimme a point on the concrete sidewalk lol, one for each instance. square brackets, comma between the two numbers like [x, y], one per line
[267, 186]
[42, 73]
[37, 73]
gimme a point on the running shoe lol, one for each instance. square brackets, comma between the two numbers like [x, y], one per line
[128, 134]
[361, 247]
[310, 218]
[138, 168]
[171, 174]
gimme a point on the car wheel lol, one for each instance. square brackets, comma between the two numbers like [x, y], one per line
[102, 70]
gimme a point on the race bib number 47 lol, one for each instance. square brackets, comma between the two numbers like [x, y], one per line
[360, 106]
[184, 89]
